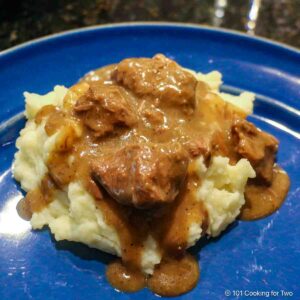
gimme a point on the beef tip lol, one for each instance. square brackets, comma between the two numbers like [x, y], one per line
[157, 77]
[258, 147]
[83, 105]
[114, 173]
[85, 102]
[155, 119]
[103, 107]
[115, 100]
[198, 147]
[159, 174]
[142, 176]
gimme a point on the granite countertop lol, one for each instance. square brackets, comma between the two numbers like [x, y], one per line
[28, 19]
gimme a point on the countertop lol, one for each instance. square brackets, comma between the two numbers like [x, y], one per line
[21, 21]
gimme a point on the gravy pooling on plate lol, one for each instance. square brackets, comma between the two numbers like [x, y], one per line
[131, 133]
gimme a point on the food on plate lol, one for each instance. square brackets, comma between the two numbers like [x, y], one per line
[141, 159]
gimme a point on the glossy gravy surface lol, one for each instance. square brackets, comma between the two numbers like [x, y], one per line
[262, 201]
[155, 120]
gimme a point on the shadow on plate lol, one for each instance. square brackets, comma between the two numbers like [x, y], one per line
[82, 251]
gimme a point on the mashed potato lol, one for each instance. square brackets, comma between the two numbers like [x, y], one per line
[222, 190]
[244, 101]
[73, 216]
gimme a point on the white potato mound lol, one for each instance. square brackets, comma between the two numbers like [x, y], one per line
[222, 190]
[73, 215]
[244, 101]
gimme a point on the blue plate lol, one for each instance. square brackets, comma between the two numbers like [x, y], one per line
[250, 257]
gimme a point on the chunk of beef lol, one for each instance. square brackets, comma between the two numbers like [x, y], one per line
[103, 107]
[157, 77]
[143, 176]
[198, 147]
[257, 146]
[155, 119]
[114, 173]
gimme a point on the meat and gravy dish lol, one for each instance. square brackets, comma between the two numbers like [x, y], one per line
[141, 159]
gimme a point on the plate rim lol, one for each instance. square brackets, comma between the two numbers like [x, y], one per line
[231, 32]
[52, 37]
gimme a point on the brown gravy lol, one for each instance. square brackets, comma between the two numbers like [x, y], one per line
[262, 201]
[172, 277]
[131, 226]
[123, 278]
[155, 116]
[37, 199]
